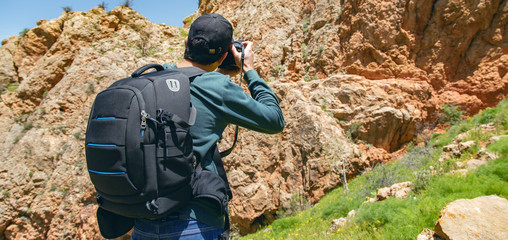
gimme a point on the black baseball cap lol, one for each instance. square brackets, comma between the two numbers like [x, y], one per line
[213, 31]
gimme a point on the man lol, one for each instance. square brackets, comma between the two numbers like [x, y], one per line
[219, 102]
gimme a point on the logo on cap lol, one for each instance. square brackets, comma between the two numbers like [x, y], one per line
[173, 85]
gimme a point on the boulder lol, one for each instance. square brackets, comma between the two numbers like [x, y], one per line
[479, 218]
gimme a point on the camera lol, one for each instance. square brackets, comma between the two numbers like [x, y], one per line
[229, 63]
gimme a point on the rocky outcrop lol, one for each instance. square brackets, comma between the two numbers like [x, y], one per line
[59, 66]
[479, 218]
[459, 48]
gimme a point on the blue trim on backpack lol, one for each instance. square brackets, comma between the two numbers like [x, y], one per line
[101, 145]
[106, 173]
[103, 118]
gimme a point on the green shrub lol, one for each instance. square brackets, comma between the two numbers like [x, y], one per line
[418, 157]
[102, 5]
[27, 126]
[127, 3]
[12, 87]
[297, 203]
[24, 32]
[352, 130]
[305, 24]
[304, 51]
[501, 119]
[382, 176]
[67, 9]
[452, 113]
[421, 180]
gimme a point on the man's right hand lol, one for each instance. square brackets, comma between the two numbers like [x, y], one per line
[248, 60]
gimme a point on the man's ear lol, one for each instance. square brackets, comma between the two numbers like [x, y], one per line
[185, 41]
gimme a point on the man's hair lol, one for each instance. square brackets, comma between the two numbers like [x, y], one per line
[196, 51]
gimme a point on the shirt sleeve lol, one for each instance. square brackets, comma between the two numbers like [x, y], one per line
[261, 112]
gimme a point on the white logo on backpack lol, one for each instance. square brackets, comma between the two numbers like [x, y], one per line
[173, 85]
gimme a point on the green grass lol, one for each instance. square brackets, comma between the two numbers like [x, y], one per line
[405, 218]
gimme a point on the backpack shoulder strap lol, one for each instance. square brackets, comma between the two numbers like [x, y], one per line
[191, 72]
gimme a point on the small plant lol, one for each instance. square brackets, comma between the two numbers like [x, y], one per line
[127, 3]
[452, 113]
[321, 50]
[421, 180]
[189, 20]
[102, 5]
[323, 105]
[24, 32]
[304, 51]
[78, 135]
[297, 203]
[381, 176]
[27, 126]
[352, 130]
[417, 157]
[183, 32]
[67, 9]
[91, 88]
[305, 25]
[12, 87]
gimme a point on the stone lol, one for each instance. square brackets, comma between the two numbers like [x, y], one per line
[338, 223]
[428, 234]
[351, 214]
[457, 148]
[398, 190]
[479, 218]
[383, 193]
[401, 190]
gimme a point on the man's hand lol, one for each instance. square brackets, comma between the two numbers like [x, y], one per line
[248, 63]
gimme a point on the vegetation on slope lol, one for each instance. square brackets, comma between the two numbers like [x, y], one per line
[434, 186]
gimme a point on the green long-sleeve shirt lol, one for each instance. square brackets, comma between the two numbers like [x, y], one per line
[219, 102]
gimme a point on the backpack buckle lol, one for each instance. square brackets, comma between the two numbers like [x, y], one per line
[152, 206]
[144, 115]
[99, 199]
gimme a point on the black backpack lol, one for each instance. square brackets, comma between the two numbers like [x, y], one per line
[139, 150]
[138, 146]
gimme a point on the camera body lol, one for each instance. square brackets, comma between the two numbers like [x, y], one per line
[229, 63]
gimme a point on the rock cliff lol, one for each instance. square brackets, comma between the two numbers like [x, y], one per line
[356, 80]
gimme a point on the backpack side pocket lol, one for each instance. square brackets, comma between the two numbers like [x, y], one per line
[208, 185]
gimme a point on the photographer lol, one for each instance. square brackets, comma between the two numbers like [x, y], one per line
[219, 102]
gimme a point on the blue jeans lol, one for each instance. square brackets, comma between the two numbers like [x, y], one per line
[172, 228]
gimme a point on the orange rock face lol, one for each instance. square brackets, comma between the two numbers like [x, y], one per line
[452, 45]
